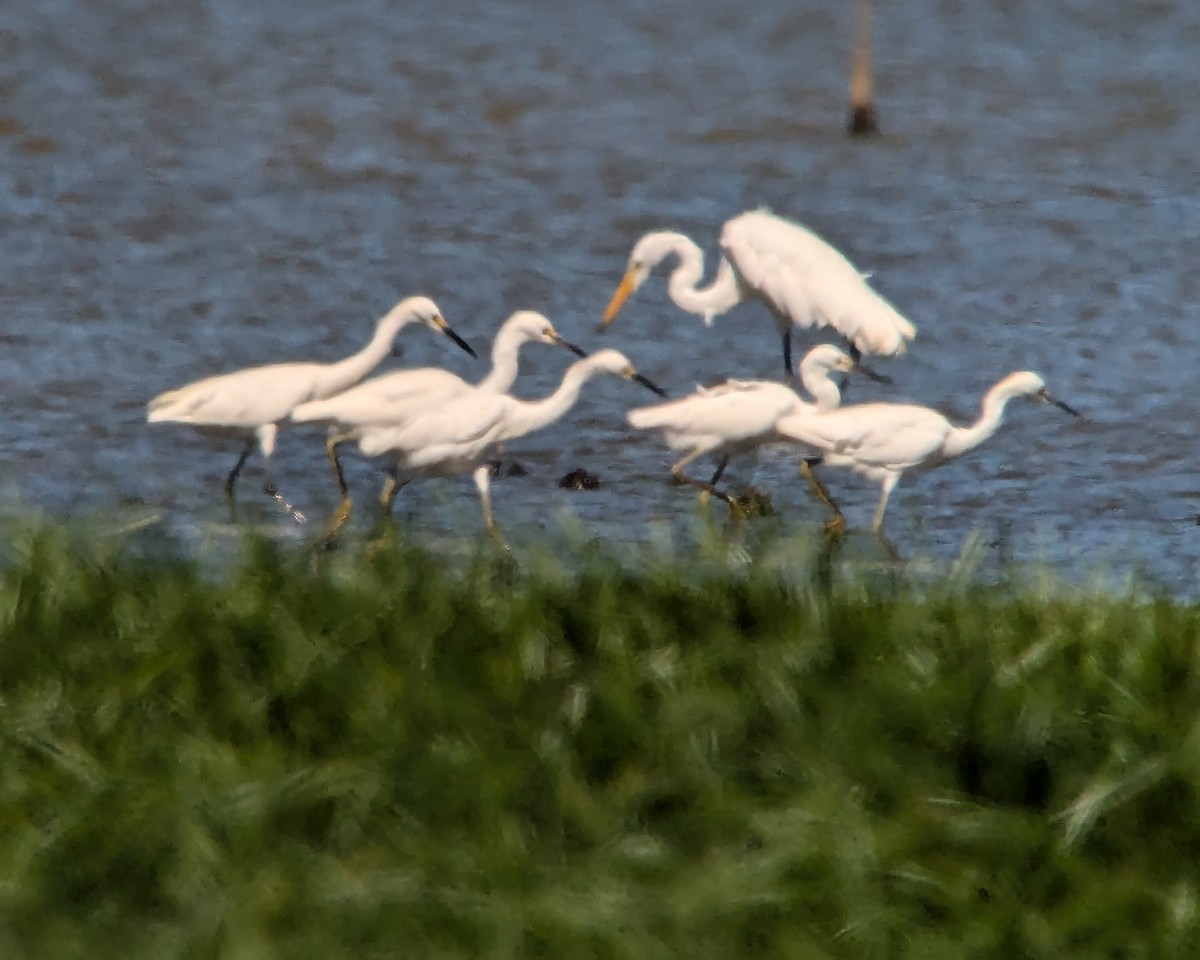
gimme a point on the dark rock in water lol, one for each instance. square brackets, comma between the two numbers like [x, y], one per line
[580, 479]
[508, 468]
[754, 503]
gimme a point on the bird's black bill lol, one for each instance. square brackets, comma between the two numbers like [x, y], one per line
[648, 384]
[871, 374]
[578, 351]
[1061, 405]
[460, 341]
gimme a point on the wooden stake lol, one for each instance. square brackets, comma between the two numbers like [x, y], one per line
[864, 121]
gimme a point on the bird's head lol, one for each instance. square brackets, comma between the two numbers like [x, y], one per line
[827, 358]
[423, 310]
[647, 254]
[1029, 384]
[531, 326]
[616, 363]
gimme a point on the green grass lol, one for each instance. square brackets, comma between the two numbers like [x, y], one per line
[399, 754]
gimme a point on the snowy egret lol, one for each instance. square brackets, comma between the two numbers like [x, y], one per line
[395, 398]
[740, 415]
[801, 279]
[251, 404]
[461, 435]
[881, 441]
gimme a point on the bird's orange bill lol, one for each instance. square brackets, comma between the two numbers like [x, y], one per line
[445, 328]
[648, 384]
[1045, 395]
[624, 291]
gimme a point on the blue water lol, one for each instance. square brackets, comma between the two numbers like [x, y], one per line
[191, 188]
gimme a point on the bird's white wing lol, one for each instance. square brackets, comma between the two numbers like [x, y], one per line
[732, 412]
[768, 276]
[881, 434]
[389, 399]
[461, 428]
[810, 282]
[245, 398]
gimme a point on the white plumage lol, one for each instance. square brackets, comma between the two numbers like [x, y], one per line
[462, 434]
[394, 399]
[740, 415]
[251, 404]
[803, 280]
[881, 441]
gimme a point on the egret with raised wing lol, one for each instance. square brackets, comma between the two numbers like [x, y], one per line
[802, 280]
[881, 441]
[740, 415]
[393, 399]
[461, 436]
[252, 404]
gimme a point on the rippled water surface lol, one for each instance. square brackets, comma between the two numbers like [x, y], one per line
[194, 187]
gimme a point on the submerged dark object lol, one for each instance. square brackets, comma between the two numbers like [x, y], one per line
[580, 479]
[754, 503]
[508, 468]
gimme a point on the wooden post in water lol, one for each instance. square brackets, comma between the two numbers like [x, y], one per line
[864, 121]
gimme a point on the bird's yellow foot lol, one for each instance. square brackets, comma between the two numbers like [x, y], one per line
[835, 527]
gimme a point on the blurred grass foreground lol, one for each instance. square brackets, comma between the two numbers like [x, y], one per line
[396, 754]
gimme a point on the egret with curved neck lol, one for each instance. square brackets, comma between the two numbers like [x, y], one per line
[396, 398]
[252, 404]
[881, 441]
[461, 436]
[803, 280]
[739, 416]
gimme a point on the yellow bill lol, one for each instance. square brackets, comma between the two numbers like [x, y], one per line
[629, 283]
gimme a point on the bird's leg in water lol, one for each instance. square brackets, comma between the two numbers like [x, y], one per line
[335, 440]
[708, 488]
[836, 525]
[483, 485]
[343, 511]
[237, 469]
[391, 486]
[788, 373]
[233, 478]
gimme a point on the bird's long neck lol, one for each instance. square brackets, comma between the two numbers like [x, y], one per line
[504, 364]
[683, 287]
[818, 381]
[346, 373]
[530, 415]
[962, 439]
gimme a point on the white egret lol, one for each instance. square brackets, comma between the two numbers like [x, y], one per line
[740, 415]
[252, 404]
[801, 279]
[881, 441]
[395, 398]
[461, 435]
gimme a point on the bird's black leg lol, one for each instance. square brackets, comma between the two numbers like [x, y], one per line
[237, 468]
[855, 356]
[787, 353]
[720, 471]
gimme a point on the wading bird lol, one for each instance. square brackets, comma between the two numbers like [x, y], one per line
[251, 404]
[881, 441]
[461, 435]
[394, 399]
[740, 415]
[801, 279]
